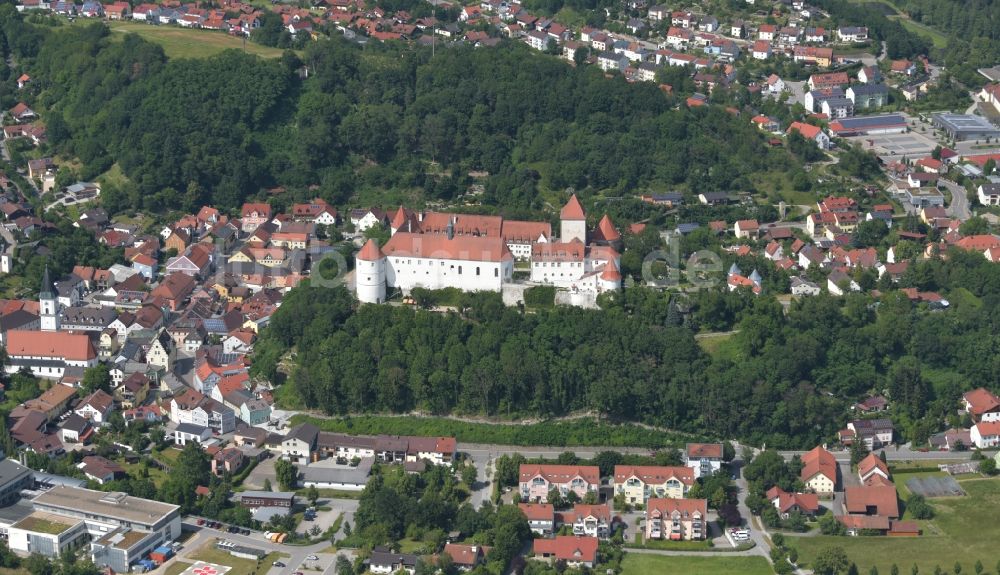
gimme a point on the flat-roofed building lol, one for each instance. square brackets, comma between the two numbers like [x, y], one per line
[13, 478]
[122, 528]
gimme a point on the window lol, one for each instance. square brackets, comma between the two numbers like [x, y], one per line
[477, 271]
[496, 272]
[460, 270]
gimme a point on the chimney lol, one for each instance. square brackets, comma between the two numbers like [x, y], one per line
[451, 229]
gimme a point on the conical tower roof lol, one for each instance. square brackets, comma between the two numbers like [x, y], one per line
[370, 252]
[572, 210]
[607, 231]
[611, 272]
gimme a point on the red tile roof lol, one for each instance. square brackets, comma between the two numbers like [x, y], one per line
[466, 248]
[669, 506]
[537, 511]
[71, 346]
[561, 473]
[568, 548]
[572, 210]
[858, 500]
[606, 230]
[522, 232]
[818, 461]
[701, 450]
[807, 130]
[870, 463]
[654, 474]
[981, 401]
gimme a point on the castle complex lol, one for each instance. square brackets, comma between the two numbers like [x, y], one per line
[435, 250]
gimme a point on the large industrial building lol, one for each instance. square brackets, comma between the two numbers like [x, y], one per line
[962, 127]
[119, 528]
[869, 125]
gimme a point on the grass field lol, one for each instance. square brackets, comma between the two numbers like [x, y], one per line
[938, 39]
[964, 530]
[187, 43]
[641, 564]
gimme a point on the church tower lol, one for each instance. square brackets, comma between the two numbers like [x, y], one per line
[48, 304]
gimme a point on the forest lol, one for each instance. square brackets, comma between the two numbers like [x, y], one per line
[786, 379]
[972, 28]
[382, 123]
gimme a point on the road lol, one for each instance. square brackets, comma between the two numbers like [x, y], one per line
[959, 208]
[297, 555]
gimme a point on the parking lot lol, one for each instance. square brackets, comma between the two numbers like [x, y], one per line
[911, 144]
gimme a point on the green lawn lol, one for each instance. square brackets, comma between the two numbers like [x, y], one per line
[641, 564]
[705, 545]
[177, 567]
[187, 43]
[210, 554]
[937, 38]
[964, 530]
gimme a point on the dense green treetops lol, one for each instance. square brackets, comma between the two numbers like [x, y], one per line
[368, 120]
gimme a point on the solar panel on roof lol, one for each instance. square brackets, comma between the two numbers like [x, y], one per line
[858, 122]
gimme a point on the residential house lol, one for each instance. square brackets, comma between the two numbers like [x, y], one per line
[989, 194]
[186, 433]
[537, 480]
[676, 519]
[838, 283]
[229, 460]
[704, 458]
[385, 562]
[875, 433]
[819, 471]
[981, 404]
[803, 287]
[637, 483]
[133, 391]
[589, 520]
[872, 470]
[852, 34]
[872, 500]
[985, 434]
[810, 132]
[540, 516]
[466, 557]
[866, 96]
[787, 503]
[96, 407]
[574, 551]
[100, 469]
[299, 444]
[748, 229]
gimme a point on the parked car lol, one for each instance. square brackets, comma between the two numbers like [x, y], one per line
[201, 522]
[312, 557]
[278, 564]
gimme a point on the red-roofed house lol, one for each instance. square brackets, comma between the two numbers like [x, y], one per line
[637, 483]
[541, 517]
[574, 551]
[537, 480]
[985, 434]
[819, 471]
[810, 132]
[704, 458]
[872, 466]
[982, 405]
[676, 519]
[872, 500]
[253, 215]
[748, 229]
[786, 503]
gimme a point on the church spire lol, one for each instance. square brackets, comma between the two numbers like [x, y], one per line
[46, 291]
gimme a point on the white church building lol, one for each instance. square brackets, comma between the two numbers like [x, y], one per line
[437, 250]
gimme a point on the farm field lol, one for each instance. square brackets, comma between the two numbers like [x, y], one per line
[962, 531]
[187, 43]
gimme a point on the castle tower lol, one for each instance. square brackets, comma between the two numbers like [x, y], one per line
[369, 273]
[611, 278]
[48, 304]
[572, 221]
